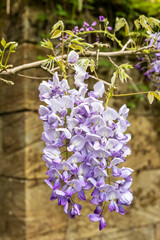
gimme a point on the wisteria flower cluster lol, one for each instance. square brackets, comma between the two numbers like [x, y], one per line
[151, 65]
[85, 144]
[88, 27]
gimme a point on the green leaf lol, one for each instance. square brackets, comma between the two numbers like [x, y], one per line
[76, 47]
[150, 97]
[51, 57]
[92, 66]
[47, 44]
[48, 65]
[76, 41]
[83, 62]
[70, 33]
[154, 22]
[56, 34]
[126, 29]
[87, 45]
[86, 64]
[3, 42]
[8, 44]
[59, 24]
[123, 76]
[60, 64]
[137, 24]
[120, 22]
[13, 46]
[144, 22]
[113, 79]
[156, 95]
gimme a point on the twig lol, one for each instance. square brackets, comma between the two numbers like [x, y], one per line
[22, 67]
[127, 43]
[31, 77]
[129, 94]
[7, 81]
[87, 53]
[106, 83]
[113, 62]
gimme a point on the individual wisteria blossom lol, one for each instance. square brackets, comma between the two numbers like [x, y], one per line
[151, 65]
[72, 57]
[101, 20]
[86, 144]
[86, 27]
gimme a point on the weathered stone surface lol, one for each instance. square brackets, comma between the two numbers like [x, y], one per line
[27, 212]
[21, 146]
[144, 211]
[44, 220]
[158, 231]
[20, 130]
[12, 209]
[24, 20]
[24, 94]
[145, 143]
[147, 233]
[16, 147]
[1, 136]
[27, 162]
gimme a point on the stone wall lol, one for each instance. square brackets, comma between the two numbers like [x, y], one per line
[26, 212]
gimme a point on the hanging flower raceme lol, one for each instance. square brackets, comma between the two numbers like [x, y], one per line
[151, 65]
[86, 145]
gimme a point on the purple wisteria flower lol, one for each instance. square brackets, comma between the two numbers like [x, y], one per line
[101, 18]
[86, 27]
[86, 144]
[72, 57]
[151, 65]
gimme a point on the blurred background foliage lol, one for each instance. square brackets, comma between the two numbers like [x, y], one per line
[74, 12]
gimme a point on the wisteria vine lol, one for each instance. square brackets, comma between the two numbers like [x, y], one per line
[150, 65]
[86, 140]
[85, 144]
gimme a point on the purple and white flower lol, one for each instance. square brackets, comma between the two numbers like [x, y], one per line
[85, 144]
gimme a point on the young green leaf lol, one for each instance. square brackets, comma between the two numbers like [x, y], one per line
[77, 41]
[59, 24]
[56, 34]
[145, 23]
[120, 22]
[83, 62]
[87, 45]
[156, 95]
[70, 33]
[47, 44]
[76, 47]
[137, 24]
[154, 22]
[92, 65]
[150, 97]
[3, 42]
[60, 64]
[113, 79]
[13, 46]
